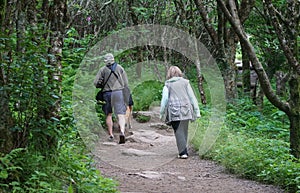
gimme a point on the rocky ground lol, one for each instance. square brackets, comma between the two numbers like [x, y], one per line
[148, 163]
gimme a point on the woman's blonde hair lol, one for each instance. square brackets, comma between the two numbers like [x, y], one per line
[174, 71]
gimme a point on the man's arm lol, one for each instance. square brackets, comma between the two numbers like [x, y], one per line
[98, 79]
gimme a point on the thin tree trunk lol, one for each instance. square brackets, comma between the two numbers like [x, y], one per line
[20, 26]
[6, 119]
[229, 77]
[200, 80]
[201, 89]
[260, 99]
[246, 71]
[2, 11]
[294, 116]
[281, 80]
[294, 131]
[57, 20]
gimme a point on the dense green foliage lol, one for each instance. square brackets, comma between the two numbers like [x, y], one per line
[28, 80]
[69, 170]
[146, 94]
[65, 165]
[254, 145]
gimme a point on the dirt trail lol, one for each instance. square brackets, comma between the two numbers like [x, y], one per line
[147, 163]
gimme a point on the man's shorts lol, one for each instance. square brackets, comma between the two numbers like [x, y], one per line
[114, 102]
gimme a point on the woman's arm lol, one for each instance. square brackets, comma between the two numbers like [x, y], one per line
[164, 101]
[193, 100]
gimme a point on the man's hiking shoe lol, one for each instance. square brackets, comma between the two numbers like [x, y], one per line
[122, 138]
[111, 138]
[184, 156]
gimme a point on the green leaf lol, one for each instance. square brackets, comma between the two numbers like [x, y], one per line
[3, 174]
[70, 189]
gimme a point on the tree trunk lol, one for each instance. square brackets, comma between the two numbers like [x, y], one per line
[57, 20]
[260, 99]
[6, 123]
[201, 90]
[281, 80]
[294, 116]
[2, 11]
[295, 133]
[6, 119]
[229, 77]
[200, 80]
[246, 71]
[20, 26]
[288, 35]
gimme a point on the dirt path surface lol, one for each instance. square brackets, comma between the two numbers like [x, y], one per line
[148, 163]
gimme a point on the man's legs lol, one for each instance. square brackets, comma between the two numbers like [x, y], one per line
[122, 121]
[119, 107]
[107, 109]
[109, 124]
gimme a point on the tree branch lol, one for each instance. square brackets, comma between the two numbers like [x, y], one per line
[263, 78]
[105, 4]
[286, 44]
[245, 9]
[206, 21]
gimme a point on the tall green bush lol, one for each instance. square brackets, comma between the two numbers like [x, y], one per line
[39, 166]
[147, 93]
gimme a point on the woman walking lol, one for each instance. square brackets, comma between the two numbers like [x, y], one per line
[179, 105]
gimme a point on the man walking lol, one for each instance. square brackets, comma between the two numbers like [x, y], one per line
[115, 79]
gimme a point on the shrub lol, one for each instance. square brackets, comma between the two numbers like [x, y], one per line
[146, 93]
[23, 170]
[253, 145]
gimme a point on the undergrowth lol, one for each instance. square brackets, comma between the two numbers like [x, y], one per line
[254, 145]
[69, 170]
[68, 167]
[147, 93]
